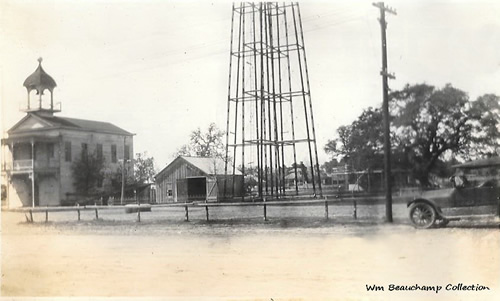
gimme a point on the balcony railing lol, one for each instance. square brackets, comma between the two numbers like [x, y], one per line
[26, 165]
[22, 165]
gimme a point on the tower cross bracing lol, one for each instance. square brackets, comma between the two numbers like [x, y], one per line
[270, 122]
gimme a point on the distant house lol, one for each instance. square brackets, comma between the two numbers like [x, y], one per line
[188, 179]
[40, 149]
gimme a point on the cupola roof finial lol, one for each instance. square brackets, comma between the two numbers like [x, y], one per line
[40, 80]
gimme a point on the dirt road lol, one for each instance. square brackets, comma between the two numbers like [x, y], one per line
[305, 260]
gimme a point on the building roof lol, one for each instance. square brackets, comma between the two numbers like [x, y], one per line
[488, 162]
[97, 126]
[208, 165]
[39, 80]
[73, 123]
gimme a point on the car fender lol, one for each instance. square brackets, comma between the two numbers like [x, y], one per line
[430, 202]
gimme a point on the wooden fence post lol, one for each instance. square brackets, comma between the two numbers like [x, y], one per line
[355, 211]
[498, 207]
[206, 212]
[96, 214]
[78, 210]
[265, 210]
[31, 216]
[326, 208]
[187, 213]
[46, 216]
[139, 214]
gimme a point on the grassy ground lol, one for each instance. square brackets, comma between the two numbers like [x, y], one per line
[242, 214]
[295, 254]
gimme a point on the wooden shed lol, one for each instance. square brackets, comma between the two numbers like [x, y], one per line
[188, 179]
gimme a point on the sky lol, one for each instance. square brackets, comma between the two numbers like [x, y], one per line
[159, 69]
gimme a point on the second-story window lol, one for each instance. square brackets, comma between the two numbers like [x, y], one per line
[126, 154]
[113, 154]
[98, 150]
[84, 148]
[15, 153]
[22, 151]
[50, 150]
[67, 151]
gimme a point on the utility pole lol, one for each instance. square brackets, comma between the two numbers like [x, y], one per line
[385, 111]
[123, 173]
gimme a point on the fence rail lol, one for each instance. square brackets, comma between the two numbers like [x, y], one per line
[326, 202]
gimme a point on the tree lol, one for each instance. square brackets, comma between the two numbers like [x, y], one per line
[87, 172]
[144, 168]
[205, 144]
[430, 127]
[116, 176]
[250, 178]
[360, 144]
[486, 116]
[432, 123]
[304, 171]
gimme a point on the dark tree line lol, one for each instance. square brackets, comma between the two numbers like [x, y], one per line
[429, 127]
[88, 173]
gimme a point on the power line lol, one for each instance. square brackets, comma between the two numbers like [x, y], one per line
[164, 58]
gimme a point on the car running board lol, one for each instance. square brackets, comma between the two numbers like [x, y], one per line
[459, 217]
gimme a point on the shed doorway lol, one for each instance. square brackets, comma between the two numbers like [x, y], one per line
[197, 188]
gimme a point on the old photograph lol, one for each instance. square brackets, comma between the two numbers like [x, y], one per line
[218, 150]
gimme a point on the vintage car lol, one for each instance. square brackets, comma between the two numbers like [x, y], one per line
[465, 199]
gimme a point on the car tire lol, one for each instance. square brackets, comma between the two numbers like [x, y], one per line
[422, 215]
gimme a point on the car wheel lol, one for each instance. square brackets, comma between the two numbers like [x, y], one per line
[422, 215]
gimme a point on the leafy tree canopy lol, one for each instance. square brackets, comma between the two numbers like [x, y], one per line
[360, 144]
[144, 168]
[87, 172]
[429, 126]
[204, 144]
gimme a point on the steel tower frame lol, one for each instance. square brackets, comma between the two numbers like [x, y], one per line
[268, 84]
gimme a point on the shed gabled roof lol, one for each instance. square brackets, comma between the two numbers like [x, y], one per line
[69, 123]
[208, 165]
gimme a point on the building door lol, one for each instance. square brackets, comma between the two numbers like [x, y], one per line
[37, 194]
[213, 190]
[197, 188]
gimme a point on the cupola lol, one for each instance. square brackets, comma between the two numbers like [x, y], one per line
[40, 81]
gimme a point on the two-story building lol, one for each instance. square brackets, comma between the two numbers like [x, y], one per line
[39, 151]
